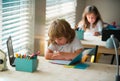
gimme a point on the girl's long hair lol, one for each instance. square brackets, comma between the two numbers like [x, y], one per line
[90, 9]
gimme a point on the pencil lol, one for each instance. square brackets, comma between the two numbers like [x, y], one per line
[60, 48]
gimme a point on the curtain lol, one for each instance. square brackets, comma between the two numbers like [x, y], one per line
[17, 21]
[60, 9]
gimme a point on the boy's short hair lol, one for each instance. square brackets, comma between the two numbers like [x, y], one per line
[60, 28]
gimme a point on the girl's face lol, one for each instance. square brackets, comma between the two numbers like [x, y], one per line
[91, 18]
[61, 40]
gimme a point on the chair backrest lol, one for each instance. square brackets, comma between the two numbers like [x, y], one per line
[93, 53]
[10, 51]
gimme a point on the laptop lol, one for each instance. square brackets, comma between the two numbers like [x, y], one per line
[107, 32]
[76, 60]
[10, 51]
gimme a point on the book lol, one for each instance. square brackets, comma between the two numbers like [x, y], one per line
[77, 59]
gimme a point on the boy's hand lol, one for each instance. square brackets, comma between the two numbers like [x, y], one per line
[58, 56]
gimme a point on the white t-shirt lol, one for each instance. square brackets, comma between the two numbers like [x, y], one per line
[69, 47]
[97, 28]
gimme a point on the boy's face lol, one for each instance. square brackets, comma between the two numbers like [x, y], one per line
[61, 40]
[91, 17]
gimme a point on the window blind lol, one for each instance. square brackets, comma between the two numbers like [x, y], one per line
[60, 9]
[17, 21]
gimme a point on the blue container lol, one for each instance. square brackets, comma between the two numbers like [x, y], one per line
[80, 34]
[27, 65]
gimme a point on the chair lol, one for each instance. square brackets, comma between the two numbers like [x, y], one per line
[93, 54]
[95, 59]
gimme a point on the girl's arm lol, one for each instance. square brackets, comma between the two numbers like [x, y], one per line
[99, 28]
[96, 33]
[79, 25]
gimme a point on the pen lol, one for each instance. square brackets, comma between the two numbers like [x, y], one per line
[60, 48]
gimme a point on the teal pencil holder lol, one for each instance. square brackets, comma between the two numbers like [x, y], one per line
[80, 34]
[25, 64]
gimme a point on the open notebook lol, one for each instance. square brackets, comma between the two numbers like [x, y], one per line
[77, 59]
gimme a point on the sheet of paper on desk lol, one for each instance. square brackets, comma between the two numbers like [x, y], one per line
[63, 62]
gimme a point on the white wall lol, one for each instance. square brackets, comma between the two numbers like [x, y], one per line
[40, 6]
[39, 30]
[109, 9]
[79, 9]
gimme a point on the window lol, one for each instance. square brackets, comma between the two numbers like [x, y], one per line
[17, 20]
[60, 9]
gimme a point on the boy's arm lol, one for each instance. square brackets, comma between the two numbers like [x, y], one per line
[49, 54]
[69, 55]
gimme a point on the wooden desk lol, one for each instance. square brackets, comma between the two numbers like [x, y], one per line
[92, 41]
[53, 72]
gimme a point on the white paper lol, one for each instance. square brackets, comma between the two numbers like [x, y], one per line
[60, 62]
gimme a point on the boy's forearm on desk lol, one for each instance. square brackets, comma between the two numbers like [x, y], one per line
[69, 55]
[62, 55]
[48, 56]
[53, 56]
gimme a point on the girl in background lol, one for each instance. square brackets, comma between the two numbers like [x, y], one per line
[91, 22]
